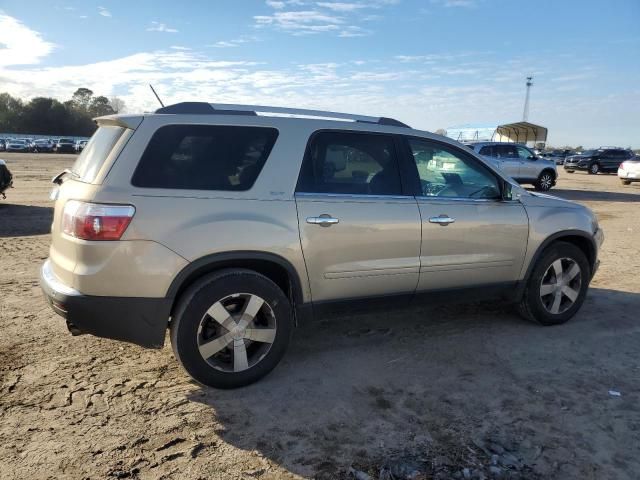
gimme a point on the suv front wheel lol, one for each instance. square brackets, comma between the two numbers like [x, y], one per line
[545, 181]
[557, 286]
[231, 328]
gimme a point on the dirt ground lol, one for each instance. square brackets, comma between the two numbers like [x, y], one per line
[431, 392]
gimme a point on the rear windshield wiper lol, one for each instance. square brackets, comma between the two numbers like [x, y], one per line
[58, 178]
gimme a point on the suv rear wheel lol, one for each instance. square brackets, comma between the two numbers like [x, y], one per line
[557, 286]
[231, 328]
[544, 182]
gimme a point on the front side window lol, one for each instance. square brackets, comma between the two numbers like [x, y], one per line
[445, 172]
[204, 157]
[524, 153]
[350, 163]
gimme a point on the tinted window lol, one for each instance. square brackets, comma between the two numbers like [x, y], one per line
[446, 172]
[524, 152]
[486, 150]
[505, 151]
[350, 163]
[96, 152]
[204, 157]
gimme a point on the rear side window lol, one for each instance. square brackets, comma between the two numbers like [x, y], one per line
[486, 150]
[352, 164]
[96, 152]
[204, 157]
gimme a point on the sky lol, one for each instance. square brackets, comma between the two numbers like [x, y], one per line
[431, 63]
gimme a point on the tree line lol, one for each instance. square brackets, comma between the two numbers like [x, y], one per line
[48, 116]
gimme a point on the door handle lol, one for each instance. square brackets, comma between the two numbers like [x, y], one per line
[442, 220]
[323, 220]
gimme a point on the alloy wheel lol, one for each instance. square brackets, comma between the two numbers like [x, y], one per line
[236, 332]
[560, 285]
[546, 182]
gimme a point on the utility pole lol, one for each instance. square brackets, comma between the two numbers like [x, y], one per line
[525, 115]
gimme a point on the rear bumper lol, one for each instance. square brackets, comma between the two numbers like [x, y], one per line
[142, 321]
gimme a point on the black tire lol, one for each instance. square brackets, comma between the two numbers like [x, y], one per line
[545, 181]
[531, 305]
[570, 171]
[625, 182]
[194, 303]
[594, 168]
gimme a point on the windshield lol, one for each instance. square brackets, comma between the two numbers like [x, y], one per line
[96, 152]
[589, 153]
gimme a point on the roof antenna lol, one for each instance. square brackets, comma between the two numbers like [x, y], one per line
[154, 92]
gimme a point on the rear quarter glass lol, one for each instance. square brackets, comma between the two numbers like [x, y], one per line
[96, 152]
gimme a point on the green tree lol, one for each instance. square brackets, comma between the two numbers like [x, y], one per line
[81, 99]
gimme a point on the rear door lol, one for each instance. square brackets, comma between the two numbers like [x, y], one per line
[509, 159]
[360, 233]
[470, 236]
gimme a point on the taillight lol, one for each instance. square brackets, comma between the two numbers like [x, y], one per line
[94, 221]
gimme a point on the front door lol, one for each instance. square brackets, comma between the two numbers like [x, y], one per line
[360, 235]
[470, 236]
[528, 163]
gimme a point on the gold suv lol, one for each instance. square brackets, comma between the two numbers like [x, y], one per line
[228, 224]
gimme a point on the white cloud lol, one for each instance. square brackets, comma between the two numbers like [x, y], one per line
[456, 3]
[354, 31]
[342, 7]
[160, 27]
[300, 22]
[104, 12]
[19, 45]
[275, 4]
[236, 42]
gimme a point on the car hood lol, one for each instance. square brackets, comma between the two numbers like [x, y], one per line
[536, 199]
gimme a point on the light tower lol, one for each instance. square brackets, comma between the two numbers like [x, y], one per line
[525, 115]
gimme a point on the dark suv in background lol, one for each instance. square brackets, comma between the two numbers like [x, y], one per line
[603, 159]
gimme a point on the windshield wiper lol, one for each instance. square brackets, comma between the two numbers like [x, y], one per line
[58, 178]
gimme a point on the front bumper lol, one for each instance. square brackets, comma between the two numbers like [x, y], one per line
[575, 166]
[142, 321]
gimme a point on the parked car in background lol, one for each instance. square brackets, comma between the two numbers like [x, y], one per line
[42, 145]
[3, 144]
[17, 145]
[65, 145]
[80, 144]
[603, 159]
[629, 170]
[6, 179]
[558, 156]
[519, 162]
[227, 229]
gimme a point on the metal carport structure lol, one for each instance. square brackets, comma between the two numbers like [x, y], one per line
[517, 132]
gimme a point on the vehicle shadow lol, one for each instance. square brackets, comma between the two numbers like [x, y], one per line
[24, 220]
[595, 196]
[362, 389]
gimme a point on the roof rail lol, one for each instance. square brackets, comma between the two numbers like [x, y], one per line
[203, 108]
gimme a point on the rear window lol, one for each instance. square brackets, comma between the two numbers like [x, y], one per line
[96, 152]
[204, 157]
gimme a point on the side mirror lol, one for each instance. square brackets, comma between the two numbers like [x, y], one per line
[507, 192]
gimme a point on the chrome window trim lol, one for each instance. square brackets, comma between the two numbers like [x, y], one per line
[355, 196]
[466, 199]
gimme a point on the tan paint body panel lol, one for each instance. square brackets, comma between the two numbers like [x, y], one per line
[485, 245]
[373, 250]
